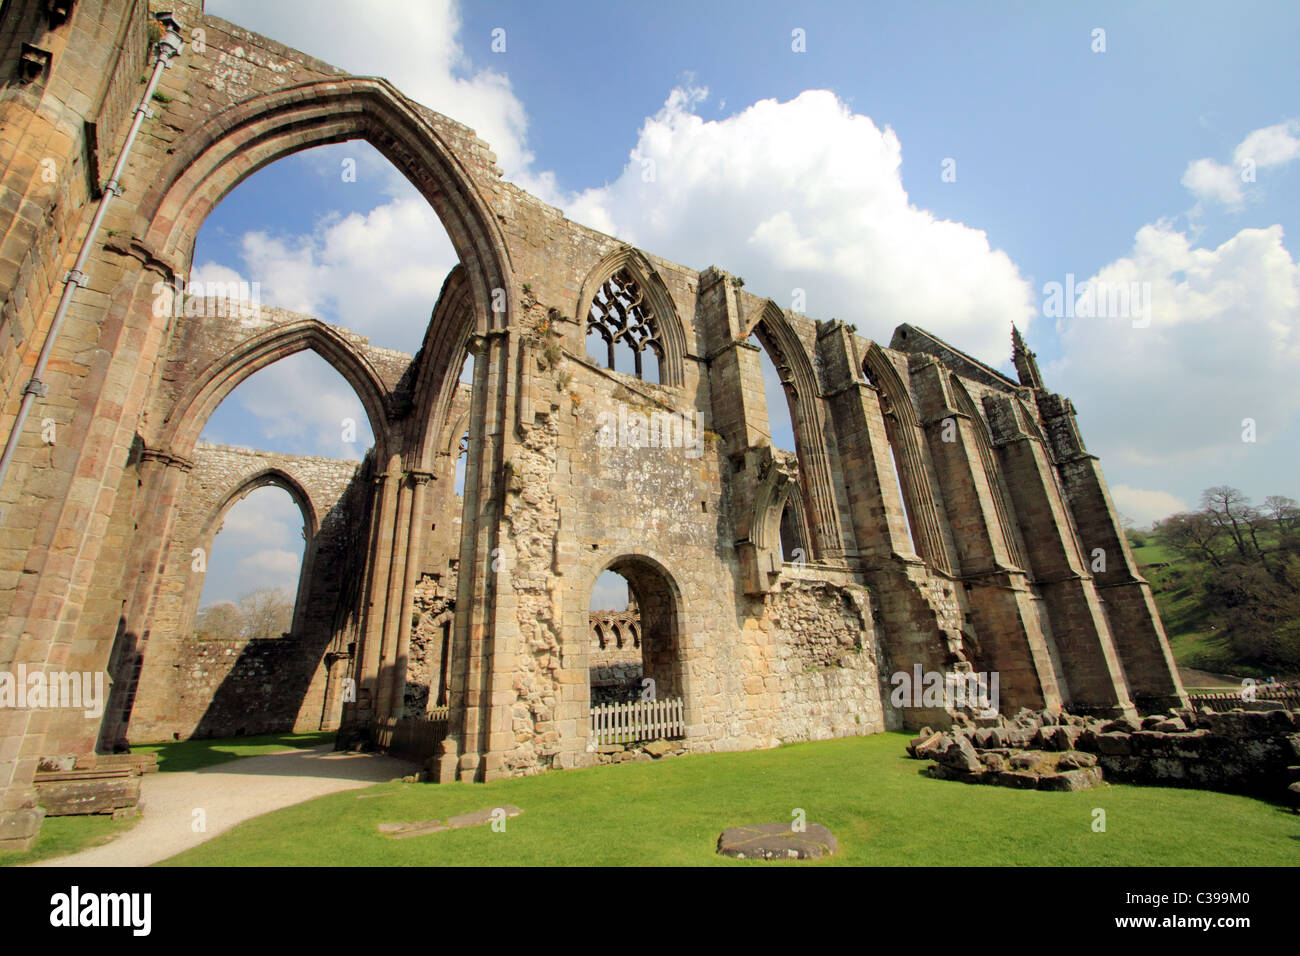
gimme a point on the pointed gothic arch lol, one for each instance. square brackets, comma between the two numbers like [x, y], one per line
[184, 423]
[216, 516]
[273, 476]
[903, 429]
[788, 354]
[250, 134]
[795, 533]
[439, 362]
[665, 334]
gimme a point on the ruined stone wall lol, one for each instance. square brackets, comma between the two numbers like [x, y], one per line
[825, 680]
[427, 673]
[548, 506]
[234, 687]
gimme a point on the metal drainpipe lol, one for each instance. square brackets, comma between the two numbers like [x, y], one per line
[166, 48]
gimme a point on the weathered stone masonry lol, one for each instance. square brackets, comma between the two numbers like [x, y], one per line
[480, 603]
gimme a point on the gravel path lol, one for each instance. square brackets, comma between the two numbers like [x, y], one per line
[228, 794]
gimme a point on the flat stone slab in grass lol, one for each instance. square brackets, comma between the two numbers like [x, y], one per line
[777, 841]
[400, 831]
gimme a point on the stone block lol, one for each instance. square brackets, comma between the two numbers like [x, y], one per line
[1114, 744]
[1084, 778]
[777, 841]
[1015, 779]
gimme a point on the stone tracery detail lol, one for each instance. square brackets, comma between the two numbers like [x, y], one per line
[620, 313]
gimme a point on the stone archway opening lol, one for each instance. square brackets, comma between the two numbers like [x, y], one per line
[615, 669]
[636, 666]
[255, 595]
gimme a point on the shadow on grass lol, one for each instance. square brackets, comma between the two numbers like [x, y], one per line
[180, 755]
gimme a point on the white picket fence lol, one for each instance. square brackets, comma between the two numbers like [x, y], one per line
[639, 720]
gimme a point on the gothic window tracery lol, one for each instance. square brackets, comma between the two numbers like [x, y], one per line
[621, 316]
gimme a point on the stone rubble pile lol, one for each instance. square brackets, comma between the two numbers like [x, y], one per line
[641, 750]
[1241, 751]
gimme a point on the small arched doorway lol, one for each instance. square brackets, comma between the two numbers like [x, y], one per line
[637, 669]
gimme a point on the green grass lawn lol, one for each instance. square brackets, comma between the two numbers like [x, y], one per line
[670, 812]
[61, 836]
[196, 754]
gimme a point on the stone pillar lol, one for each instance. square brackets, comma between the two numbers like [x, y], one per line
[414, 548]
[484, 607]
[875, 506]
[920, 633]
[162, 482]
[739, 406]
[372, 634]
[397, 555]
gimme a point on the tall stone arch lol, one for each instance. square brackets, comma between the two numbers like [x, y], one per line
[236, 142]
[181, 428]
[904, 431]
[242, 138]
[446, 344]
[799, 380]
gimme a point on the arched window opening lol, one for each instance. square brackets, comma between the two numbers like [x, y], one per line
[794, 542]
[622, 331]
[780, 422]
[250, 587]
[902, 498]
[300, 405]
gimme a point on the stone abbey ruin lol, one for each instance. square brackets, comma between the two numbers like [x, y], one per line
[935, 516]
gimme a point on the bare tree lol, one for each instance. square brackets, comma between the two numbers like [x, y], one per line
[1283, 511]
[266, 612]
[1193, 534]
[1230, 509]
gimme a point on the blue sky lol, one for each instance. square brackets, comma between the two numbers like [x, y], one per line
[824, 170]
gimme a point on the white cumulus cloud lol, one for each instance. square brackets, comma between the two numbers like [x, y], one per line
[1222, 346]
[807, 194]
[1211, 181]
